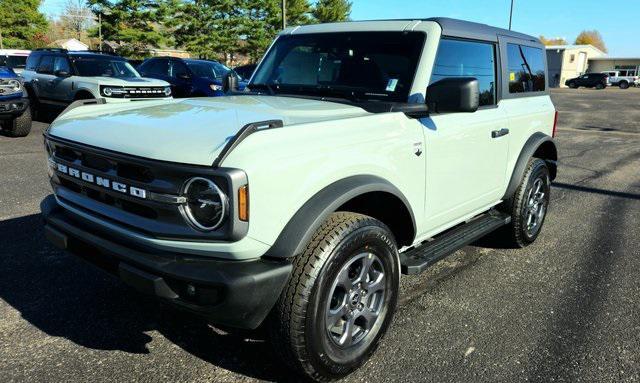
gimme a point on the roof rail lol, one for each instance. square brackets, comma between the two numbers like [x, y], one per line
[96, 51]
[51, 49]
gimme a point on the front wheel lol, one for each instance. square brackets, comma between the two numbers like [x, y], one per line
[19, 126]
[340, 299]
[528, 206]
[573, 85]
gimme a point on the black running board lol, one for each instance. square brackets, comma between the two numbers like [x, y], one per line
[417, 260]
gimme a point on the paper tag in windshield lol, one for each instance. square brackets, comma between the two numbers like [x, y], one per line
[391, 84]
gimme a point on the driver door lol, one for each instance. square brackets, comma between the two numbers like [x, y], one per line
[60, 87]
[465, 153]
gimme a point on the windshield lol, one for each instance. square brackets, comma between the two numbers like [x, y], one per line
[13, 61]
[357, 65]
[104, 67]
[208, 69]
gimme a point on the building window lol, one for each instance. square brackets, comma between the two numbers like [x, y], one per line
[572, 58]
[457, 58]
[526, 69]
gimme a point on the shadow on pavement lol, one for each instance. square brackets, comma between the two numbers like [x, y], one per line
[588, 189]
[64, 296]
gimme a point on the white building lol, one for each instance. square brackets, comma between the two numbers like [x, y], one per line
[569, 61]
[71, 45]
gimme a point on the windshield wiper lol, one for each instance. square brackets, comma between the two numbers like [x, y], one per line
[266, 86]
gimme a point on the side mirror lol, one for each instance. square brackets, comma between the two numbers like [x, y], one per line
[184, 76]
[230, 82]
[454, 94]
[61, 73]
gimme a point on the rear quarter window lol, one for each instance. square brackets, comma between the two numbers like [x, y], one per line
[525, 67]
[32, 61]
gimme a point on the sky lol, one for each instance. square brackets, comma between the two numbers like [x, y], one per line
[551, 18]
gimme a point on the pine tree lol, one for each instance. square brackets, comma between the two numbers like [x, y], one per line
[327, 11]
[21, 24]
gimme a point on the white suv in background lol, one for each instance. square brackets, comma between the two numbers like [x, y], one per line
[57, 77]
[622, 78]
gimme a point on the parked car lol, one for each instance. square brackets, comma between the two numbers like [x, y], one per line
[588, 80]
[245, 71]
[188, 77]
[15, 113]
[622, 78]
[57, 77]
[14, 59]
[362, 151]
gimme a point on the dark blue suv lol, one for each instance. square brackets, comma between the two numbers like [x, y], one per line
[15, 114]
[188, 77]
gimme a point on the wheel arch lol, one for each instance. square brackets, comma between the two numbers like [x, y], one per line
[541, 146]
[83, 94]
[365, 194]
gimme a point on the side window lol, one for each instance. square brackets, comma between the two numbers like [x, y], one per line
[32, 61]
[179, 69]
[158, 67]
[61, 64]
[46, 65]
[526, 69]
[458, 58]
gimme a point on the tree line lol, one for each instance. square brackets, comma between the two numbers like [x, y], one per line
[587, 37]
[215, 29]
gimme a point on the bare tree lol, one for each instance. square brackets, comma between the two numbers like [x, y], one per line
[77, 17]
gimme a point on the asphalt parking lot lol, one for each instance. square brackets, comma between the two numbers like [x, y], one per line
[566, 308]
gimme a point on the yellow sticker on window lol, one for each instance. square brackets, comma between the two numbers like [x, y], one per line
[512, 76]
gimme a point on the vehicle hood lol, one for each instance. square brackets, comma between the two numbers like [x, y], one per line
[191, 131]
[132, 81]
[6, 72]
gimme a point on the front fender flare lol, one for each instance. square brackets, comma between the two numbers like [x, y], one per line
[304, 223]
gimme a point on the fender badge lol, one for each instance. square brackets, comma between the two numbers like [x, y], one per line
[417, 148]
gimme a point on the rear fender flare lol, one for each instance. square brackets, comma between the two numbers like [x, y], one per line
[535, 142]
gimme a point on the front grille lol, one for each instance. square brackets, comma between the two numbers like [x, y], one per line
[160, 217]
[133, 92]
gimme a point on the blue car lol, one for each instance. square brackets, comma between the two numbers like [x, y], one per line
[188, 77]
[15, 113]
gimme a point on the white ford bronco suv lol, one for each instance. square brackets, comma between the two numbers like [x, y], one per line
[56, 77]
[362, 150]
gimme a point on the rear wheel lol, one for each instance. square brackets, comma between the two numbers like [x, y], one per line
[623, 84]
[600, 86]
[528, 206]
[340, 299]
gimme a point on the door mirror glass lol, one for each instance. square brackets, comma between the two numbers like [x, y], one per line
[61, 73]
[454, 94]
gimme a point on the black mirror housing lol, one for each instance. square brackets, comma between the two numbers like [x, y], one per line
[230, 82]
[61, 73]
[454, 94]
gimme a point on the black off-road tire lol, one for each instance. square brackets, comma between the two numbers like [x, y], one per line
[297, 325]
[516, 233]
[19, 126]
[623, 85]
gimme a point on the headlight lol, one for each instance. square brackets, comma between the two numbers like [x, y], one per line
[206, 206]
[167, 91]
[107, 91]
[10, 87]
[215, 87]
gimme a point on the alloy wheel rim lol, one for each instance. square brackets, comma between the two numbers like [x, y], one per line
[536, 206]
[356, 300]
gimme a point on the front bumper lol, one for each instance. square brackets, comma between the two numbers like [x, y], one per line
[12, 108]
[232, 293]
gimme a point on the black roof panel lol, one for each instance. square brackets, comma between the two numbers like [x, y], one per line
[471, 30]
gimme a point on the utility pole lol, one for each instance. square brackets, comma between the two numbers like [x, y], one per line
[510, 14]
[100, 30]
[1, 46]
[284, 14]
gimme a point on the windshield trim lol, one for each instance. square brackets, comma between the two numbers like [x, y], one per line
[111, 59]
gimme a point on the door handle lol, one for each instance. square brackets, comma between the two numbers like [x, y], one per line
[499, 133]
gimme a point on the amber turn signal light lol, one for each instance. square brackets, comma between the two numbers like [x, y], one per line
[243, 203]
